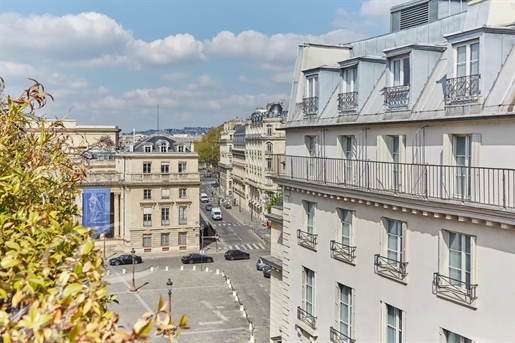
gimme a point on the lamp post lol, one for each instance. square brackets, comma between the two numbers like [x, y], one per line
[169, 284]
[133, 287]
[104, 257]
[201, 245]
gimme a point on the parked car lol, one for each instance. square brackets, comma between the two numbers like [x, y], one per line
[204, 198]
[196, 258]
[216, 213]
[124, 259]
[260, 264]
[209, 207]
[236, 255]
[227, 204]
[267, 270]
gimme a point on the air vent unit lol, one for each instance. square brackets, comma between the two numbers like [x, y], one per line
[414, 16]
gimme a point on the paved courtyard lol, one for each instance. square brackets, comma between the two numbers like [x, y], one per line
[204, 296]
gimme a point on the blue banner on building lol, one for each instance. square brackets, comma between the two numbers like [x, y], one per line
[96, 209]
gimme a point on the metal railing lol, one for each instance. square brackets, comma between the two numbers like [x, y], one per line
[464, 185]
[385, 264]
[310, 106]
[306, 239]
[343, 252]
[162, 177]
[306, 317]
[347, 102]
[397, 96]
[101, 177]
[445, 285]
[337, 337]
[462, 89]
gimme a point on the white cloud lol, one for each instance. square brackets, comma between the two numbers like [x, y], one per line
[80, 84]
[78, 106]
[102, 90]
[109, 103]
[15, 69]
[278, 47]
[285, 77]
[380, 8]
[175, 76]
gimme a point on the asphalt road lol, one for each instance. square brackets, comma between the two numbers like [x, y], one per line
[204, 296]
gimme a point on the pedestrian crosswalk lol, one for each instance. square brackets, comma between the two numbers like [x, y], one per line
[227, 224]
[247, 246]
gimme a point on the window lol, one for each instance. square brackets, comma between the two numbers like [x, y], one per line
[311, 142]
[147, 240]
[180, 148]
[391, 149]
[147, 167]
[165, 168]
[394, 325]
[165, 239]
[269, 147]
[163, 147]
[165, 216]
[148, 148]
[462, 156]
[308, 292]
[400, 72]
[394, 242]
[467, 59]
[147, 216]
[165, 193]
[182, 193]
[269, 130]
[182, 215]
[147, 194]
[392, 260]
[346, 227]
[451, 337]
[350, 78]
[460, 268]
[182, 167]
[269, 164]
[183, 238]
[312, 86]
[396, 159]
[344, 316]
[310, 217]
[347, 152]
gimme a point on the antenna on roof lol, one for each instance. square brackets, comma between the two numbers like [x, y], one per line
[157, 117]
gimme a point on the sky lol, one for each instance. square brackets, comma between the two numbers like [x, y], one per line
[204, 62]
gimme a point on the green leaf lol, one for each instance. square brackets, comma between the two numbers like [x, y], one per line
[9, 262]
[72, 289]
[86, 248]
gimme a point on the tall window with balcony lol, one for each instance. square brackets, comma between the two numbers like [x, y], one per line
[391, 155]
[165, 215]
[311, 161]
[455, 279]
[342, 248]
[307, 236]
[464, 86]
[396, 95]
[451, 337]
[462, 155]
[183, 218]
[147, 216]
[342, 331]
[392, 261]
[393, 325]
[311, 93]
[182, 167]
[147, 167]
[165, 167]
[346, 145]
[348, 98]
[306, 313]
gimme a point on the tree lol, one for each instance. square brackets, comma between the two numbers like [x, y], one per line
[208, 148]
[51, 285]
[275, 199]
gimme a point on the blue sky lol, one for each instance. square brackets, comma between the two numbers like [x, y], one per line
[204, 62]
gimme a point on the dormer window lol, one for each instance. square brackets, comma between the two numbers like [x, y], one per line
[463, 87]
[163, 147]
[396, 94]
[348, 98]
[148, 148]
[180, 148]
[310, 101]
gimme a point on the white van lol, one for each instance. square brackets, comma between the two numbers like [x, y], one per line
[204, 197]
[216, 213]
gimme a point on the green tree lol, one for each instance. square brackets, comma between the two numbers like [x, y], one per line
[208, 148]
[275, 199]
[51, 285]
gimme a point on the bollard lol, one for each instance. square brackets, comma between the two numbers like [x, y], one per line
[166, 268]
[252, 340]
[233, 293]
[151, 268]
[124, 271]
[250, 327]
[182, 267]
[194, 267]
[241, 308]
[223, 273]
[217, 272]
[207, 269]
[236, 298]
[244, 314]
[228, 281]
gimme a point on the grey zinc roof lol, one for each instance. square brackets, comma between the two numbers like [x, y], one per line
[156, 138]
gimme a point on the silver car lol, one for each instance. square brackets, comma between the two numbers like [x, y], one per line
[260, 264]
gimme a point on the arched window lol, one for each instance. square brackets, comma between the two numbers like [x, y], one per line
[269, 147]
[163, 146]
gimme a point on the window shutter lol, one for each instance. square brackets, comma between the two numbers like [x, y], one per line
[381, 149]
[303, 305]
[147, 210]
[403, 326]
[165, 193]
[404, 242]
[443, 253]
[448, 159]
[475, 176]
[383, 321]
[337, 307]
[382, 237]
[447, 182]
[402, 148]
[473, 251]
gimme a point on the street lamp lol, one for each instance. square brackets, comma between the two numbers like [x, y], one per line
[133, 287]
[201, 245]
[104, 235]
[169, 284]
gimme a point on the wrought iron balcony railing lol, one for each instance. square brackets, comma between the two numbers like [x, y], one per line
[384, 265]
[342, 252]
[306, 239]
[397, 96]
[337, 337]
[461, 90]
[473, 186]
[307, 317]
[310, 106]
[347, 102]
[452, 287]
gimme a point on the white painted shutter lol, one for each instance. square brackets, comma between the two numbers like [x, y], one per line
[382, 149]
[448, 174]
[403, 326]
[147, 210]
[404, 247]
[303, 289]
[475, 171]
[443, 253]
[382, 237]
[336, 307]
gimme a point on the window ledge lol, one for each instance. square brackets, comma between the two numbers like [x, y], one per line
[306, 328]
[457, 300]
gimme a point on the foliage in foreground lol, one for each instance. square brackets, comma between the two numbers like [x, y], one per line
[51, 275]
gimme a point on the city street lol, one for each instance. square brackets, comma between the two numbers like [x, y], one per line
[204, 296]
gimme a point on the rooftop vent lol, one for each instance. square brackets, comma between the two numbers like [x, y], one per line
[420, 12]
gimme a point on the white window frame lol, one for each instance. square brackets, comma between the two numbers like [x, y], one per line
[147, 148]
[468, 57]
[145, 238]
[147, 194]
[165, 215]
[399, 251]
[307, 287]
[182, 167]
[345, 222]
[147, 167]
[182, 238]
[399, 325]
[312, 86]
[447, 335]
[163, 147]
[310, 210]
[165, 239]
[350, 79]
[445, 257]
[165, 193]
[147, 216]
[462, 176]
[180, 148]
[402, 72]
[340, 305]
[183, 193]
[183, 215]
[165, 167]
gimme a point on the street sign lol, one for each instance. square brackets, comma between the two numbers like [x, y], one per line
[217, 235]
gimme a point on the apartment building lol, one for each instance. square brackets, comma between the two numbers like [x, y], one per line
[225, 164]
[238, 167]
[146, 196]
[399, 196]
[263, 144]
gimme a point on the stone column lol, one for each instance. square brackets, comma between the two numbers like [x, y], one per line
[117, 215]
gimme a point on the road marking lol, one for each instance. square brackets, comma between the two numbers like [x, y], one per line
[237, 247]
[220, 307]
[255, 246]
[208, 305]
[210, 323]
[220, 315]
[189, 332]
[135, 294]
[250, 248]
[262, 247]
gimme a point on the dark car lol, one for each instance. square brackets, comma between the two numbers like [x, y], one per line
[236, 255]
[209, 207]
[124, 259]
[267, 270]
[196, 258]
[227, 204]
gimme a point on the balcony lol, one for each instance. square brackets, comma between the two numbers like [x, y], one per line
[310, 106]
[347, 102]
[462, 90]
[336, 336]
[162, 177]
[396, 97]
[342, 252]
[307, 240]
[454, 289]
[92, 177]
[473, 186]
[389, 267]
[307, 318]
